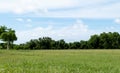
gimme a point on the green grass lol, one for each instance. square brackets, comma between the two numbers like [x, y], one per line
[60, 61]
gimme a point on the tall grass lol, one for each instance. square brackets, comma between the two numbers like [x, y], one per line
[60, 61]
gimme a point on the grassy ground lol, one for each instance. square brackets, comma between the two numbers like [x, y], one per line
[60, 61]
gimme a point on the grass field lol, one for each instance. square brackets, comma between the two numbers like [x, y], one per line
[60, 61]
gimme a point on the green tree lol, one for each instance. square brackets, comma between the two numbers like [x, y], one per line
[8, 36]
[2, 29]
[61, 44]
[84, 44]
[115, 39]
[94, 42]
[46, 43]
[74, 45]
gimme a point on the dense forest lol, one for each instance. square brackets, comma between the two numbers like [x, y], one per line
[110, 40]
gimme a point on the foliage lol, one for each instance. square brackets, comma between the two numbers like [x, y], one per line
[7, 35]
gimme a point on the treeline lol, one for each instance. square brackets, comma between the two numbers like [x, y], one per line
[110, 40]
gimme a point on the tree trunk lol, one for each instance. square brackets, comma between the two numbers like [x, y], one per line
[11, 44]
[8, 45]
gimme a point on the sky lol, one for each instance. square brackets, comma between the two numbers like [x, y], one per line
[71, 20]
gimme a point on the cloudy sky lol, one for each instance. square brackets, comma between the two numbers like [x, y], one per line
[72, 20]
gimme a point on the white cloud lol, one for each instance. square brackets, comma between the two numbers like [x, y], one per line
[105, 11]
[20, 19]
[117, 21]
[25, 22]
[24, 6]
[83, 8]
[24, 36]
[77, 31]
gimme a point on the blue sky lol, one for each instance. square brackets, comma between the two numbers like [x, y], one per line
[72, 20]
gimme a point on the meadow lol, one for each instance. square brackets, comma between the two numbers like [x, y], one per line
[59, 61]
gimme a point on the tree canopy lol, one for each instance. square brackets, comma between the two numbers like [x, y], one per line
[7, 35]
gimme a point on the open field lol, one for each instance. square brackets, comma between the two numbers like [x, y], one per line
[60, 61]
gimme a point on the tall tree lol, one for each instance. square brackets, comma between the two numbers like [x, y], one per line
[8, 35]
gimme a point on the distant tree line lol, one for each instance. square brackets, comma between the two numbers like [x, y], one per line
[110, 40]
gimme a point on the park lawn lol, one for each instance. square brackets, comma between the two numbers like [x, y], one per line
[59, 61]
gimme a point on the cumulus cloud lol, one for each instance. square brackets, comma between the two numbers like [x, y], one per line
[24, 6]
[77, 31]
[63, 8]
[90, 11]
[26, 35]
